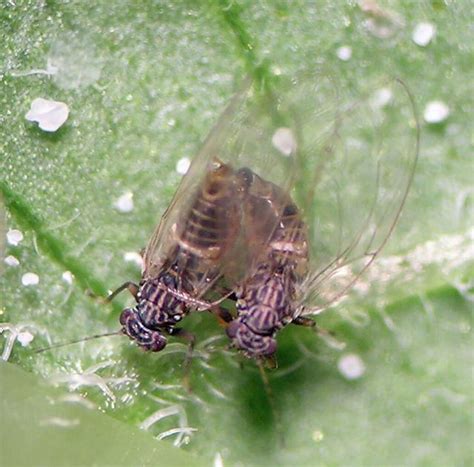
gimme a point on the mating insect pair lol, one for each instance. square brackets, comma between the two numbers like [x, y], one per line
[345, 156]
[234, 213]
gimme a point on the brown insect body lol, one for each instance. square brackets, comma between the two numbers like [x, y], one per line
[277, 238]
[351, 186]
[200, 239]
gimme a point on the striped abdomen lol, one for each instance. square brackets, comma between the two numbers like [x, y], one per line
[206, 234]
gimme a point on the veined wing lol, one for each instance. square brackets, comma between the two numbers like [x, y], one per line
[273, 228]
[284, 135]
[250, 133]
[362, 167]
[268, 148]
[163, 238]
[244, 136]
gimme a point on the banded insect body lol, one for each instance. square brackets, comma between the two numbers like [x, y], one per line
[199, 241]
[290, 199]
[310, 237]
[277, 239]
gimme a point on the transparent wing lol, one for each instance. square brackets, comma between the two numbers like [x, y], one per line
[280, 137]
[357, 166]
[163, 238]
[269, 139]
[242, 137]
[266, 147]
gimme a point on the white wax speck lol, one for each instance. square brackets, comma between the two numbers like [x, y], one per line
[284, 141]
[436, 112]
[381, 97]
[24, 338]
[344, 53]
[125, 202]
[67, 277]
[14, 237]
[60, 422]
[50, 115]
[351, 366]
[218, 461]
[276, 70]
[133, 257]
[423, 34]
[11, 261]
[182, 166]
[317, 436]
[30, 278]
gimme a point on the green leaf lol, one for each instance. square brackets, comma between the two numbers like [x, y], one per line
[144, 82]
[45, 426]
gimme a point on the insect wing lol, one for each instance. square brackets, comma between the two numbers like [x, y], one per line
[164, 237]
[359, 166]
[266, 148]
[286, 133]
[245, 140]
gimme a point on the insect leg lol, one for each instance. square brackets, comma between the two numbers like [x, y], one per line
[191, 339]
[130, 286]
[200, 305]
[302, 321]
[223, 316]
[271, 398]
[324, 334]
[224, 291]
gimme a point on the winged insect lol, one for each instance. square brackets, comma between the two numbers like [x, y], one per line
[175, 279]
[184, 256]
[355, 159]
[266, 296]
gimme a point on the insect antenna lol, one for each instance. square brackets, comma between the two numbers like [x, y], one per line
[271, 399]
[77, 341]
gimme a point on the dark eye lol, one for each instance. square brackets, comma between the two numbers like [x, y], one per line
[245, 176]
[233, 328]
[290, 210]
[169, 281]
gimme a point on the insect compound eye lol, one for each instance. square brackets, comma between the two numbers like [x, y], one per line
[155, 343]
[242, 337]
[269, 347]
[126, 315]
[245, 177]
[133, 327]
[252, 344]
[233, 329]
[290, 210]
[260, 346]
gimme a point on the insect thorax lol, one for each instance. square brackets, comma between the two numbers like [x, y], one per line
[157, 306]
[264, 305]
[265, 301]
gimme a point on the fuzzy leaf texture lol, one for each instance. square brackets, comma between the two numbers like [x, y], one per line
[144, 82]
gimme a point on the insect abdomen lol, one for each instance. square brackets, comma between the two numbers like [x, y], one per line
[213, 221]
[275, 231]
